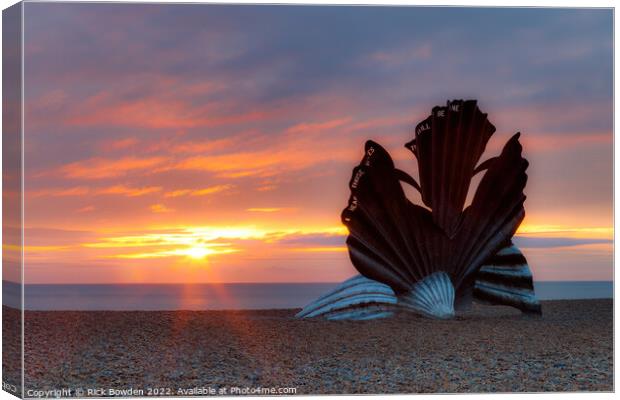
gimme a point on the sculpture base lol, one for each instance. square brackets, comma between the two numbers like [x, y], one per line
[504, 279]
[433, 297]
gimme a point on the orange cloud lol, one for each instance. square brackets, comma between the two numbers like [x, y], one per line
[233, 165]
[158, 112]
[201, 241]
[99, 168]
[147, 112]
[74, 191]
[322, 249]
[267, 158]
[199, 192]
[293, 151]
[177, 193]
[196, 252]
[203, 146]
[83, 191]
[211, 190]
[160, 208]
[266, 209]
[129, 191]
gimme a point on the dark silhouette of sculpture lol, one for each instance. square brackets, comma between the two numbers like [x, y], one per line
[438, 258]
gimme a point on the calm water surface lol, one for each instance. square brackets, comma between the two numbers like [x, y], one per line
[224, 296]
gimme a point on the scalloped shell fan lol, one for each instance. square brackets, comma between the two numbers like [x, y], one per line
[433, 259]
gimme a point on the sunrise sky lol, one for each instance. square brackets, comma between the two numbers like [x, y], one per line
[194, 143]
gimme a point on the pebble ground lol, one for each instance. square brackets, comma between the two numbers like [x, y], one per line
[489, 349]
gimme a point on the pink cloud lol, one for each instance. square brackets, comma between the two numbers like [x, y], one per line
[403, 54]
[552, 142]
[120, 144]
[160, 112]
[86, 209]
[315, 127]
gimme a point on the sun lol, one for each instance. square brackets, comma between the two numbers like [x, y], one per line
[197, 252]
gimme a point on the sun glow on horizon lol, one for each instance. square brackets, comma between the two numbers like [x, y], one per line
[202, 242]
[235, 253]
[197, 252]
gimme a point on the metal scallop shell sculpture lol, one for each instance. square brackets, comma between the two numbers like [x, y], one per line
[436, 259]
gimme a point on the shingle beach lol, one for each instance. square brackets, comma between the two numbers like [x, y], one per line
[489, 349]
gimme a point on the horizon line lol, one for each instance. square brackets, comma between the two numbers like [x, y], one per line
[244, 283]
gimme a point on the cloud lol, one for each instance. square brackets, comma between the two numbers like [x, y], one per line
[233, 165]
[121, 144]
[100, 168]
[318, 126]
[204, 146]
[129, 191]
[61, 192]
[160, 208]
[145, 113]
[404, 54]
[551, 242]
[199, 192]
[562, 117]
[314, 239]
[240, 239]
[84, 191]
[296, 148]
[551, 142]
[156, 112]
[269, 209]
[281, 110]
[210, 190]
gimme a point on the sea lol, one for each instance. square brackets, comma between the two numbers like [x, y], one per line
[228, 296]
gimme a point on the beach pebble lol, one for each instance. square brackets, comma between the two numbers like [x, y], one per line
[487, 349]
